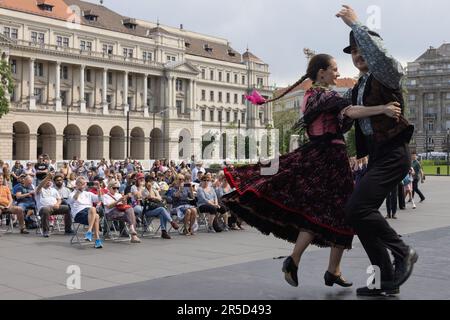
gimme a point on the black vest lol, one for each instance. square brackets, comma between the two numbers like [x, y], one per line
[385, 129]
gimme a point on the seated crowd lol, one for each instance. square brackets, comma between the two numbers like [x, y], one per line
[118, 194]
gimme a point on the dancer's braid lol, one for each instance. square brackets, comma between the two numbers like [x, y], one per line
[317, 63]
[306, 76]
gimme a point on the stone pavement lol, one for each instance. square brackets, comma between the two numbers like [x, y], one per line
[234, 265]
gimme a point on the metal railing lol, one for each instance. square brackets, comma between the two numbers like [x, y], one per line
[20, 44]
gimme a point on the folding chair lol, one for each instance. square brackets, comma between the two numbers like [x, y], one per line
[7, 216]
[59, 224]
[114, 234]
[202, 219]
[75, 238]
[148, 227]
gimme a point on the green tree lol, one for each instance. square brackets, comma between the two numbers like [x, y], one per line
[284, 121]
[6, 86]
[351, 142]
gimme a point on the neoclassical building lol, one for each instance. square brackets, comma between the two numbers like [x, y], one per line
[294, 99]
[91, 83]
[428, 86]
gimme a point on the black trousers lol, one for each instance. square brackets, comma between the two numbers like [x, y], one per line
[416, 190]
[391, 202]
[401, 196]
[208, 208]
[387, 167]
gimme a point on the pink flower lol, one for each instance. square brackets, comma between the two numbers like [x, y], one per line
[255, 98]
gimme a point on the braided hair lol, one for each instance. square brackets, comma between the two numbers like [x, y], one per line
[317, 63]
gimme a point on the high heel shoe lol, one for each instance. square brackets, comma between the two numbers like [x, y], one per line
[331, 279]
[290, 272]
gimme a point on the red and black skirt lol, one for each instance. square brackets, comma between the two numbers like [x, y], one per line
[308, 193]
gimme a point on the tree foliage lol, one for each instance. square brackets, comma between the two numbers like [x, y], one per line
[6, 86]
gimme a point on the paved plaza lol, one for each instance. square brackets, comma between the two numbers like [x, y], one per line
[234, 265]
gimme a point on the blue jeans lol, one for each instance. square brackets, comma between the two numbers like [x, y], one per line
[162, 213]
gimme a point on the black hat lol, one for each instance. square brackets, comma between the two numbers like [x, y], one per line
[98, 178]
[353, 44]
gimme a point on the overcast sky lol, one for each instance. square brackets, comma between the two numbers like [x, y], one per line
[278, 30]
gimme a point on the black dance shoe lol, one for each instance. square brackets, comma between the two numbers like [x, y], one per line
[387, 291]
[331, 280]
[290, 272]
[404, 268]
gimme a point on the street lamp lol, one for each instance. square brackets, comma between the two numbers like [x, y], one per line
[128, 131]
[448, 152]
[239, 135]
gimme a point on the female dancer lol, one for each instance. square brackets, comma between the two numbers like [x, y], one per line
[304, 202]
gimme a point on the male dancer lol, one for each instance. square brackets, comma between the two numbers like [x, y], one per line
[386, 143]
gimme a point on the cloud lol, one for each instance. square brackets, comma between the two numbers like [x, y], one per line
[278, 30]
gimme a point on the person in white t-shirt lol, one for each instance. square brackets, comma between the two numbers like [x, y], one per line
[83, 210]
[48, 203]
[198, 168]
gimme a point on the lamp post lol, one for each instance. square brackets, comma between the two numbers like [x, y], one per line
[223, 144]
[128, 132]
[426, 143]
[239, 134]
[448, 152]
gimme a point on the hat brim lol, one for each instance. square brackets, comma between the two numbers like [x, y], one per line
[348, 50]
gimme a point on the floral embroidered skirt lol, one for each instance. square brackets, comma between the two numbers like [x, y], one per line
[308, 193]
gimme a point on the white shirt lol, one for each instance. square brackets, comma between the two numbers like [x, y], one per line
[47, 198]
[64, 192]
[195, 172]
[155, 186]
[109, 199]
[101, 171]
[85, 200]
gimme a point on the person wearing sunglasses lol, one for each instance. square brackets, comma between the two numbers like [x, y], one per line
[116, 209]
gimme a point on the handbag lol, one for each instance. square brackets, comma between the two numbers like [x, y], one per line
[150, 205]
[121, 207]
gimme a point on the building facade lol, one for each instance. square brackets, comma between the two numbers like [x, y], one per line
[428, 98]
[294, 99]
[81, 70]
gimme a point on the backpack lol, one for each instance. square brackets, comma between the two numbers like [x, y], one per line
[31, 222]
[218, 224]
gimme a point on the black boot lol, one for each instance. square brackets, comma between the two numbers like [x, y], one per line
[331, 279]
[404, 268]
[384, 291]
[290, 272]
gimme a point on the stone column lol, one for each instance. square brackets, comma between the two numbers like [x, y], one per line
[32, 105]
[59, 147]
[438, 126]
[106, 147]
[105, 91]
[194, 100]
[82, 101]
[162, 93]
[145, 96]
[58, 88]
[125, 90]
[83, 147]
[33, 146]
[146, 148]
